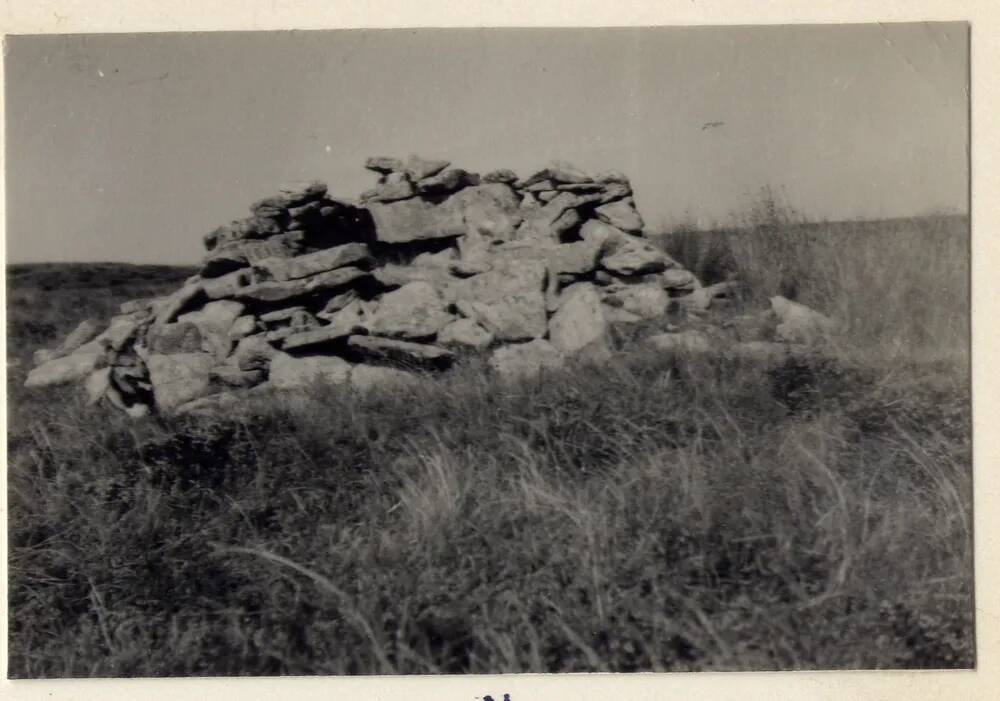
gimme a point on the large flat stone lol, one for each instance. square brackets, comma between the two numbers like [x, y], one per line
[282, 269]
[400, 351]
[291, 289]
[69, 368]
[415, 219]
[414, 311]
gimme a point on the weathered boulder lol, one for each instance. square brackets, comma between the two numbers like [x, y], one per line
[508, 300]
[800, 324]
[179, 377]
[620, 214]
[414, 311]
[214, 322]
[491, 210]
[400, 351]
[282, 269]
[68, 368]
[465, 333]
[644, 300]
[289, 372]
[526, 360]
[636, 256]
[252, 353]
[607, 237]
[579, 326]
[576, 258]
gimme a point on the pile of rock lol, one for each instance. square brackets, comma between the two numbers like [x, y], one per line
[431, 263]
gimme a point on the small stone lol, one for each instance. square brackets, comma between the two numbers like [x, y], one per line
[419, 168]
[300, 191]
[446, 182]
[396, 187]
[384, 164]
[621, 215]
[679, 280]
[636, 256]
[465, 333]
[338, 302]
[501, 175]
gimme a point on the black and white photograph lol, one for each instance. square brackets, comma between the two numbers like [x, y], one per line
[483, 351]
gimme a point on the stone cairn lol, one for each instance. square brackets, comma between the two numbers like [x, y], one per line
[433, 263]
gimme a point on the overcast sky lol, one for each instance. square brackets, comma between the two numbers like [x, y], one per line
[130, 147]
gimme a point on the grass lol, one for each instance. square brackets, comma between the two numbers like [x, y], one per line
[649, 514]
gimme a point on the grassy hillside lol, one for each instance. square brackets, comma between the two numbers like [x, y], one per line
[649, 514]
